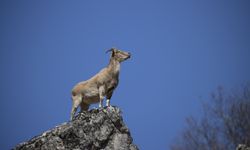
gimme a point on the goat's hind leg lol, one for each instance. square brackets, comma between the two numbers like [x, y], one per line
[76, 102]
[84, 106]
[101, 96]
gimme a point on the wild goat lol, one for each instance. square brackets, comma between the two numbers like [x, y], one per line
[102, 84]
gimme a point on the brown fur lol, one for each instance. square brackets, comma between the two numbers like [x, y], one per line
[99, 86]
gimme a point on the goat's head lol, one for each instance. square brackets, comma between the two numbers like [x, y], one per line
[119, 55]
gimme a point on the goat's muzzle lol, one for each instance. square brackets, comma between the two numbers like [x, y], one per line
[129, 54]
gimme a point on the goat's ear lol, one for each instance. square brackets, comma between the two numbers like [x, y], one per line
[113, 53]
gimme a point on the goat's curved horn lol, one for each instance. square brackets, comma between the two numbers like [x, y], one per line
[110, 50]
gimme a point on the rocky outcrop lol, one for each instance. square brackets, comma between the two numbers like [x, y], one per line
[93, 130]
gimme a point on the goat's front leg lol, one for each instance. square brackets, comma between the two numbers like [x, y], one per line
[101, 96]
[109, 95]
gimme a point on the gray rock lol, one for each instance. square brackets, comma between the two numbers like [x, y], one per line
[98, 129]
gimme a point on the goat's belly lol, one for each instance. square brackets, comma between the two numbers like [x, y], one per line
[92, 100]
[91, 96]
[91, 93]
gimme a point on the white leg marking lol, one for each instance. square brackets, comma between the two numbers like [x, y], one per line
[108, 102]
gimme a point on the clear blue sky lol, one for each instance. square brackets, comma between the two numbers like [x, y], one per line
[181, 51]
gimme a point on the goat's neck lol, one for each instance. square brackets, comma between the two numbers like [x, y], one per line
[114, 66]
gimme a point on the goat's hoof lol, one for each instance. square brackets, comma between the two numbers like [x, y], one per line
[110, 108]
[100, 108]
[95, 109]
